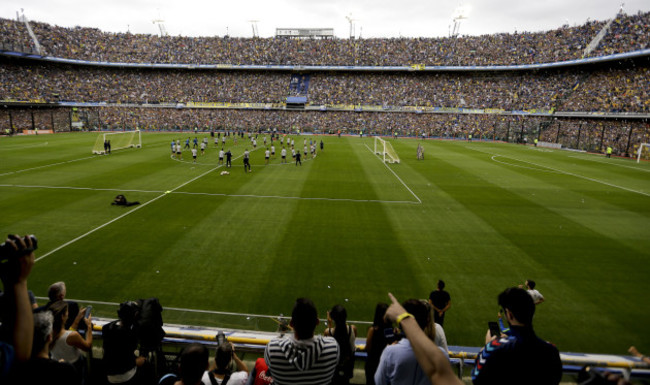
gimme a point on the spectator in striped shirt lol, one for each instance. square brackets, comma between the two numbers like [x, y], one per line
[302, 358]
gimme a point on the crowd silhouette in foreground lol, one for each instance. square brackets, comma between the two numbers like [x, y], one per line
[404, 344]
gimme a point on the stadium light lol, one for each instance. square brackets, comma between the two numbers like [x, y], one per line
[460, 13]
[352, 26]
[254, 27]
[161, 25]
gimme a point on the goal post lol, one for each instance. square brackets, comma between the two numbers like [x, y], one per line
[118, 141]
[385, 150]
[643, 152]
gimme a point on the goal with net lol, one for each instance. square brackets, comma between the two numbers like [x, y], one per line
[385, 150]
[643, 152]
[118, 141]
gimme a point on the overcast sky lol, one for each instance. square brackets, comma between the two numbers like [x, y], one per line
[374, 18]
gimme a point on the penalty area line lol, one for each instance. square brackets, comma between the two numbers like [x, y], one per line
[211, 194]
[608, 163]
[47, 165]
[297, 198]
[566, 173]
[125, 214]
[396, 176]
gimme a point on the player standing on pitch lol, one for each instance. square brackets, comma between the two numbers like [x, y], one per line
[228, 159]
[247, 164]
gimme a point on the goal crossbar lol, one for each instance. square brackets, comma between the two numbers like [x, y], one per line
[118, 141]
[385, 150]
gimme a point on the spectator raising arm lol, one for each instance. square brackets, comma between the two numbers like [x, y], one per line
[14, 278]
[429, 356]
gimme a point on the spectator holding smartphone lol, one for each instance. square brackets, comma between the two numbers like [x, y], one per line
[69, 345]
[520, 357]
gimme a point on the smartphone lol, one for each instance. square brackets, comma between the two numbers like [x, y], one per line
[88, 310]
[495, 331]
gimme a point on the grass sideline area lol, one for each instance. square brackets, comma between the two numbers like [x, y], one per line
[342, 228]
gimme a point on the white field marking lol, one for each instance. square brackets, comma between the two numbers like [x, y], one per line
[570, 173]
[396, 176]
[79, 188]
[127, 213]
[47, 165]
[297, 198]
[520, 166]
[609, 163]
[209, 194]
[195, 310]
[19, 147]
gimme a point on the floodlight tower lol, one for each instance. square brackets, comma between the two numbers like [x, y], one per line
[161, 25]
[254, 26]
[352, 25]
[460, 13]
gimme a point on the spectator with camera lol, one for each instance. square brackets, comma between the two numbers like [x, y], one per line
[17, 333]
[222, 374]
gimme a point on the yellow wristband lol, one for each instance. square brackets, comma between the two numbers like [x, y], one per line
[401, 317]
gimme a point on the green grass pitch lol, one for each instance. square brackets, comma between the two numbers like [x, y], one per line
[342, 228]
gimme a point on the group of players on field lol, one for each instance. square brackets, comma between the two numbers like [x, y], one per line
[177, 150]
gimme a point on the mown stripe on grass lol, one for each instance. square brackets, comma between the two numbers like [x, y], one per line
[327, 245]
[610, 212]
[559, 244]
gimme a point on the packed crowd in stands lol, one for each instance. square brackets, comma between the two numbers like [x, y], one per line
[623, 135]
[67, 83]
[628, 33]
[620, 88]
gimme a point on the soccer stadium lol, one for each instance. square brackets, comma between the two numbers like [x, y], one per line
[228, 176]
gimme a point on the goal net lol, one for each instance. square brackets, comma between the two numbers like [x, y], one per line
[643, 152]
[118, 141]
[385, 149]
